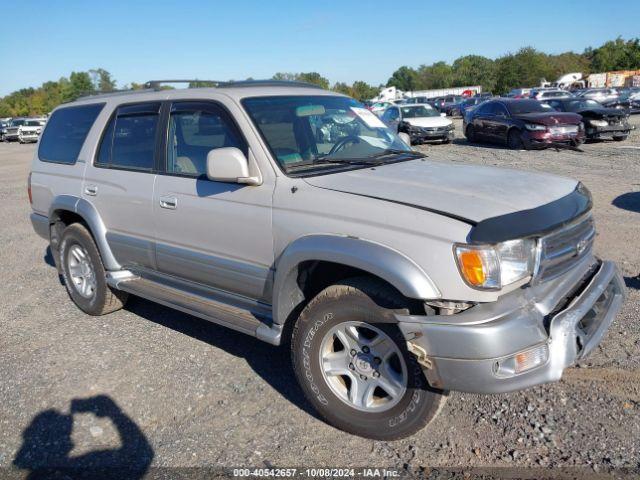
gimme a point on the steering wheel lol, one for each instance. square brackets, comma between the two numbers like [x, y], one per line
[340, 144]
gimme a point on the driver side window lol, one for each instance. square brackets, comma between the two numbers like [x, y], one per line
[194, 130]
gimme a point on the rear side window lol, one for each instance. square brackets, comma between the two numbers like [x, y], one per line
[66, 132]
[129, 140]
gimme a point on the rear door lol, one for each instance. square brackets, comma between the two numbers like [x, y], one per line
[120, 182]
[212, 233]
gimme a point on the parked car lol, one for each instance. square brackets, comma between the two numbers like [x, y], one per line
[24, 130]
[3, 129]
[392, 278]
[523, 124]
[627, 100]
[443, 103]
[421, 122]
[419, 99]
[379, 107]
[599, 122]
[545, 94]
[471, 103]
[519, 93]
[455, 109]
[600, 95]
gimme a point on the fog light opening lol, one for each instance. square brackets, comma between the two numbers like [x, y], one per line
[523, 361]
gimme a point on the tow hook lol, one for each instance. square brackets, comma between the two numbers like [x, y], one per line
[420, 354]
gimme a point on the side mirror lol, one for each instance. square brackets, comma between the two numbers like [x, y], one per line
[229, 165]
[443, 114]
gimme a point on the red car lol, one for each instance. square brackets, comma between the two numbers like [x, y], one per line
[523, 124]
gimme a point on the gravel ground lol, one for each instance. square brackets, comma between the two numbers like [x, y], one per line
[185, 393]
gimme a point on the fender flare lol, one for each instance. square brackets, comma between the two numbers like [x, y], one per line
[384, 262]
[90, 215]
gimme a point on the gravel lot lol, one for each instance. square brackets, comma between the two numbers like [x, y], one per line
[185, 393]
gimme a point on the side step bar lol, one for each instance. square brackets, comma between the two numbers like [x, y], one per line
[200, 305]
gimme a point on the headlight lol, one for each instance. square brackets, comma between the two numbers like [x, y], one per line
[451, 126]
[491, 267]
[534, 126]
[598, 123]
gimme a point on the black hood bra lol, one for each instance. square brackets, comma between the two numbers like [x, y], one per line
[536, 221]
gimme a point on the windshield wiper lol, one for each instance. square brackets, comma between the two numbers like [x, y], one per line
[395, 151]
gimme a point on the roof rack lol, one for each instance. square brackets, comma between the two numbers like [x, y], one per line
[269, 83]
[156, 85]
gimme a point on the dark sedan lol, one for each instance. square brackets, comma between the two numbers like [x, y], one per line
[599, 122]
[522, 124]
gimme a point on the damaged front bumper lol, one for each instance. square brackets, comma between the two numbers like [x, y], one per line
[526, 338]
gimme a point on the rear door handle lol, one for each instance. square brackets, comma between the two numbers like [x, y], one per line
[170, 203]
[91, 190]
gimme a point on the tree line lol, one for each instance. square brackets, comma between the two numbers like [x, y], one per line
[525, 68]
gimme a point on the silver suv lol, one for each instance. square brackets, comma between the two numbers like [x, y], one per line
[294, 215]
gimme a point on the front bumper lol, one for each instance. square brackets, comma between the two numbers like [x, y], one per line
[424, 135]
[608, 131]
[465, 353]
[545, 139]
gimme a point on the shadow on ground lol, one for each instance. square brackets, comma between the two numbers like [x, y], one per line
[47, 444]
[272, 363]
[628, 201]
[632, 282]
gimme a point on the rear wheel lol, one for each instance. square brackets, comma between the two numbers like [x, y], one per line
[470, 133]
[514, 140]
[83, 273]
[353, 364]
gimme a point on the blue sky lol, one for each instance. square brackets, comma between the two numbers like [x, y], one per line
[343, 40]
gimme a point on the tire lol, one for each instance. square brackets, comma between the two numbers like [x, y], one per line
[366, 305]
[470, 133]
[446, 140]
[514, 140]
[84, 275]
[620, 139]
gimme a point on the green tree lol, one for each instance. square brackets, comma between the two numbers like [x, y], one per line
[615, 55]
[342, 87]
[526, 68]
[438, 75]
[79, 84]
[474, 70]
[308, 77]
[405, 78]
[363, 91]
[102, 80]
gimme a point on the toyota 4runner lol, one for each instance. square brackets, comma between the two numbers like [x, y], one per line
[295, 215]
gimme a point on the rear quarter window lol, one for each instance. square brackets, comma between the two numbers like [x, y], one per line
[66, 132]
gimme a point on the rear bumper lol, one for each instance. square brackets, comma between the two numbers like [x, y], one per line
[468, 355]
[40, 224]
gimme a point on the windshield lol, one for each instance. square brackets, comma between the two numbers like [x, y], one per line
[319, 131]
[578, 105]
[17, 123]
[526, 106]
[419, 111]
[32, 123]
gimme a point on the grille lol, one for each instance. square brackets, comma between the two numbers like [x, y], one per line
[561, 250]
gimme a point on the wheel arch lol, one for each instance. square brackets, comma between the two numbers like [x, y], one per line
[67, 208]
[352, 255]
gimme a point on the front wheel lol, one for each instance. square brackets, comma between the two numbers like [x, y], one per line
[353, 365]
[470, 133]
[514, 140]
[620, 138]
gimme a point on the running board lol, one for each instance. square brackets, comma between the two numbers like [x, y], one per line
[200, 305]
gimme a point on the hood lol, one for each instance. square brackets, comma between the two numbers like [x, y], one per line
[551, 118]
[601, 112]
[428, 121]
[466, 192]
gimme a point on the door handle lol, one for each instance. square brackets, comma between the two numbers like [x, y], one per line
[170, 203]
[91, 190]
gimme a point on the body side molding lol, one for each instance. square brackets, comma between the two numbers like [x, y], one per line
[384, 262]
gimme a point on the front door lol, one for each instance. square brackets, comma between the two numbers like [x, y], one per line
[213, 233]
